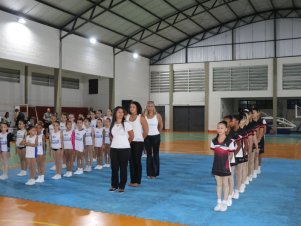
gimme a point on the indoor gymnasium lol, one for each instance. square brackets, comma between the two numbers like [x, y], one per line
[150, 112]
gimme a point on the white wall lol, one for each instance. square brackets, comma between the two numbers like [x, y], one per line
[11, 94]
[82, 56]
[30, 43]
[131, 79]
[215, 103]
[259, 35]
[37, 44]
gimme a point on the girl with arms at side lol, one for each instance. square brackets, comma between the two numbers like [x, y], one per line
[152, 141]
[140, 128]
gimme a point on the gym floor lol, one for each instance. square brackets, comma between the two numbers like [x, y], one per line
[19, 207]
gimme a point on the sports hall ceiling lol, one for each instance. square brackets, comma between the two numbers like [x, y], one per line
[152, 28]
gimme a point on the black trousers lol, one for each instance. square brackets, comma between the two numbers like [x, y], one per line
[119, 165]
[135, 162]
[152, 145]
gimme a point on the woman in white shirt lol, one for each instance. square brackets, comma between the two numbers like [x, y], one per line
[152, 141]
[140, 128]
[122, 135]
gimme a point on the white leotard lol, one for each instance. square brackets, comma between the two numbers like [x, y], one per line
[31, 152]
[68, 139]
[98, 134]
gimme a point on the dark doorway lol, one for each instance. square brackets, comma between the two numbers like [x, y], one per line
[161, 111]
[188, 118]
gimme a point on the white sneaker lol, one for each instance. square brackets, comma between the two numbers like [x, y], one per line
[236, 194]
[41, 179]
[218, 207]
[69, 174]
[65, 175]
[224, 206]
[22, 173]
[108, 165]
[57, 177]
[86, 168]
[259, 170]
[144, 156]
[242, 188]
[229, 201]
[89, 169]
[30, 182]
[250, 178]
[77, 171]
[38, 179]
[3, 177]
[254, 175]
[64, 166]
[94, 160]
[247, 181]
[53, 168]
[81, 171]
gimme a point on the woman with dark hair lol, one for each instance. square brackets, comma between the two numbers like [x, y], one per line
[140, 128]
[122, 135]
[152, 141]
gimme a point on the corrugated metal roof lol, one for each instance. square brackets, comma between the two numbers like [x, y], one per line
[149, 27]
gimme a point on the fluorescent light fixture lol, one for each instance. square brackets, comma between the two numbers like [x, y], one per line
[93, 40]
[135, 55]
[22, 20]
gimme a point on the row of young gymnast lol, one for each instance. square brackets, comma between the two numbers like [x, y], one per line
[238, 149]
[115, 140]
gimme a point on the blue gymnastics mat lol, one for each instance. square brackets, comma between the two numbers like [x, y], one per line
[184, 193]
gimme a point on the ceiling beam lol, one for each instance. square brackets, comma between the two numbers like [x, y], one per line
[76, 17]
[184, 14]
[134, 22]
[176, 14]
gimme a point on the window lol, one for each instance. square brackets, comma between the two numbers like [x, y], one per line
[291, 76]
[48, 80]
[190, 80]
[42, 79]
[261, 104]
[159, 82]
[70, 83]
[292, 102]
[9, 75]
[240, 78]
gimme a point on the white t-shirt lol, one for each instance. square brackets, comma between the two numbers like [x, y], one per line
[88, 139]
[98, 135]
[68, 139]
[79, 140]
[56, 140]
[93, 123]
[40, 144]
[50, 129]
[31, 151]
[3, 142]
[21, 134]
[120, 135]
[62, 126]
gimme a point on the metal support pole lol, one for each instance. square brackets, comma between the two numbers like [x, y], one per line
[112, 84]
[171, 81]
[26, 85]
[58, 82]
[275, 103]
[206, 127]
